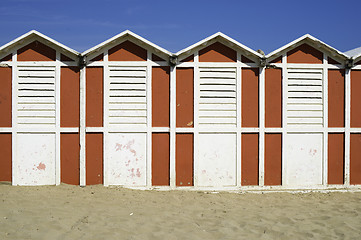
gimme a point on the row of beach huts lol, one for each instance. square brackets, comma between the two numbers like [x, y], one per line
[214, 116]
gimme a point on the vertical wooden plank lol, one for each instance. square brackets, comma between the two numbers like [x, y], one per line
[355, 98]
[94, 96]
[249, 175]
[160, 159]
[69, 158]
[273, 159]
[69, 96]
[184, 159]
[184, 97]
[94, 158]
[336, 163]
[355, 158]
[5, 159]
[336, 98]
[160, 96]
[5, 96]
[250, 98]
[273, 98]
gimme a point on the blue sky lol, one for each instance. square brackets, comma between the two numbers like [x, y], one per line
[174, 25]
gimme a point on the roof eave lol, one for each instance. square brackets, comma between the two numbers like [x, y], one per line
[305, 38]
[225, 37]
[123, 34]
[38, 34]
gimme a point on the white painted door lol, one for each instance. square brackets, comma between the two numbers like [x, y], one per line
[304, 159]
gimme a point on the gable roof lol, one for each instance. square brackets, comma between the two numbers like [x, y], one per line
[34, 33]
[122, 35]
[354, 52]
[220, 35]
[307, 38]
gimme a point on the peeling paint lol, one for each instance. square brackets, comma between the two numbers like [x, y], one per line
[41, 166]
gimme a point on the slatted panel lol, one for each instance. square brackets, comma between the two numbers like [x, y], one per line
[127, 96]
[305, 97]
[217, 103]
[36, 96]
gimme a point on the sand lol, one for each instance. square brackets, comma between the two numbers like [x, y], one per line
[97, 212]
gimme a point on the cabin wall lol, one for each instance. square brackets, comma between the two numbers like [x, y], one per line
[39, 109]
[215, 120]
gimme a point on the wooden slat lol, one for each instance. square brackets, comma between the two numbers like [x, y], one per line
[126, 106]
[217, 120]
[211, 106]
[305, 114]
[128, 86]
[128, 113]
[128, 80]
[301, 107]
[207, 87]
[33, 113]
[217, 113]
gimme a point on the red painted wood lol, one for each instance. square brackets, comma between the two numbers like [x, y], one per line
[127, 51]
[94, 158]
[5, 159]
[217, 52]
[336, 153]
[160, 159]
[94, 97]
[250, 97]
[69, 96]
[5, 96]
[36, 51]
[184, 97]
[355, 98]
[69, 158]
[273, 159]
[336, 98]
[273, 97]
[355, 158]
[304, 54]
[250, 159]
[160, 96]
[184, 159]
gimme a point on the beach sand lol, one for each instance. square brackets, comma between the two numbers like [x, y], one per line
[97, 212]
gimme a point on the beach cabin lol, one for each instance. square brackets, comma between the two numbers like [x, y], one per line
[218, 114]
[353, 116]
[313, 124]
[125, 116]
[39, 112]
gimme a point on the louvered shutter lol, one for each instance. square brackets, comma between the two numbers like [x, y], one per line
[217, 103]
[127, 96]
[36, 96]
[305, 97]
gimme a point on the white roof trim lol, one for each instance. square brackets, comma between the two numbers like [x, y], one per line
[219, 34]
[126, 32]
[36, 33]
[305, 37]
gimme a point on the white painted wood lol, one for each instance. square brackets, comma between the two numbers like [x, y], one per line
[173, 113]
[127, 159]
[305, 95]
[149, 119]
[217, 160]
[106, 119]
[196, 141]
[128, 87]
[14, 105]
[57, 117]
[347, 125]
[304, 162]
[285, 104]
[36, 162]
[82, 129]
[32, 94]
[239, 119]
[324, 157]
[262, 107]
